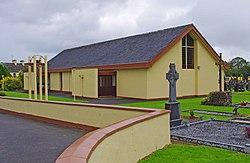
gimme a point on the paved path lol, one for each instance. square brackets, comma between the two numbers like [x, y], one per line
[113, 100]
[26, 141]
[103, 100]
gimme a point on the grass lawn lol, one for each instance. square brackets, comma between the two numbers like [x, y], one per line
[51, 98]
[195, 103]
[188, 153]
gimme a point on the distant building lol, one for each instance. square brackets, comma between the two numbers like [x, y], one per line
[14, 69]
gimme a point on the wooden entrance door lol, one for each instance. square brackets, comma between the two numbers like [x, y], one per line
[107, 85]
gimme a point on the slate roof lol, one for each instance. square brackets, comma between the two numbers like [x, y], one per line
[12, 68]
[128, 50]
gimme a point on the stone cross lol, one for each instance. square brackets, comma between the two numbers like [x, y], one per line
[172, 76]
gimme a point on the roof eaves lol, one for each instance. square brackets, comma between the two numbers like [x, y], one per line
[106, 67]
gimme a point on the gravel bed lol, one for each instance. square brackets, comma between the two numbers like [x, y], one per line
[223, 132]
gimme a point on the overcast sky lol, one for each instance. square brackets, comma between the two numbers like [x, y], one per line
[31, 27]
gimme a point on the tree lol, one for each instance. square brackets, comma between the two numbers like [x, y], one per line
[21, 77]
[4, 71]
[238, 67]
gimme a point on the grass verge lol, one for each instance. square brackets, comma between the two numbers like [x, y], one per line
[192, 154]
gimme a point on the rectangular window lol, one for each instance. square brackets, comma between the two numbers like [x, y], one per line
[190, 41]
[190, 58]
[184, 57]
[187, 52]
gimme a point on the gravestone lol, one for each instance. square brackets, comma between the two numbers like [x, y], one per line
[172, 76]
[239, 87]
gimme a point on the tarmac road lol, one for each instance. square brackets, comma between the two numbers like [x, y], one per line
[25, 140]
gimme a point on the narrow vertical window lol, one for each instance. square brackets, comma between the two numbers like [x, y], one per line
[187, 52]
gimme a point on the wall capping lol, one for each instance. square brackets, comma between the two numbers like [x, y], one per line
[93, 139]
[85, 104]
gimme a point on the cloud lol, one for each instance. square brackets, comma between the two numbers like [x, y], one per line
[48, 27]
[225, 25]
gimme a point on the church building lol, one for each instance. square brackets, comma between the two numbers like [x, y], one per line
[136, 66]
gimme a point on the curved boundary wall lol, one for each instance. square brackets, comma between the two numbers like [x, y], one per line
[123, 134]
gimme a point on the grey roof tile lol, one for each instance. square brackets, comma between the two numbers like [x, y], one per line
[128, 50]
[15, 68]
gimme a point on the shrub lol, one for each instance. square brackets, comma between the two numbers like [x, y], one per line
[204, 101]
[4, 71]
[2, 94]
[11, 83]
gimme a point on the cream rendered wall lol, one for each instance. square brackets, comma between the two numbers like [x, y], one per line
[86, 114]
[151, 83]
[66, 81]
[134, 143]
[132, 83]
[55, 81]
[26, 81]
[208, 72]
[188, 83]
[85, 82]
[157, 84]
[191, 81]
